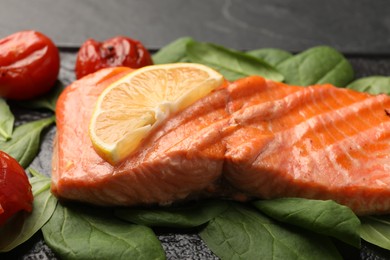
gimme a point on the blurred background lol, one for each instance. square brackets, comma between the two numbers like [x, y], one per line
[361, 27]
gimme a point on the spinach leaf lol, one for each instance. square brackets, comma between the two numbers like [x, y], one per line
[47, 101]
[324, 217]
[244, 233]
[187, 216]
[232, 64]
[173, 52]
[271, 55]
[6, 121]
[317, 65]
[25, 141]
[80, 232]
[25, 225]
[373, 85]
[376, 230]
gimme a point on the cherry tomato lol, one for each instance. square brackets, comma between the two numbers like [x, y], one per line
[29, 65]
[114, 52]
[15, 189]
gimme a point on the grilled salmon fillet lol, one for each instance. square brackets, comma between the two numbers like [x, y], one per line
[177, 160]
[265, 139]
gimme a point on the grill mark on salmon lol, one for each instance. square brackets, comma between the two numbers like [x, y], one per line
[255, 137]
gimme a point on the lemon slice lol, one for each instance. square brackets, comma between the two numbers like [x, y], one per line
[128, 109]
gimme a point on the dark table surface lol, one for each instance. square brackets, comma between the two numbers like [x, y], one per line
[360, 29]
[350, 26]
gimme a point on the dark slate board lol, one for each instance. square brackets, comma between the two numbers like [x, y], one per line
[350, 26]
[177, 245]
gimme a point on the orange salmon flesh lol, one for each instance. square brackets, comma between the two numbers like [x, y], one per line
[254, 137]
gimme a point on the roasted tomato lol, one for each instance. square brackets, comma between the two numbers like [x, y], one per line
[114, 52]
[29, 65]
[15, 189]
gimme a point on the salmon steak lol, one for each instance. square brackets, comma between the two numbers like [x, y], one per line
[251, 137]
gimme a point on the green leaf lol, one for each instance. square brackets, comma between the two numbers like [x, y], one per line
[24, 225]
[376, 230]
[25, 141]
[173, 52]
[232, 64]
[271, 55]
[35, 173]
[94, 233]
[47, 101]
[317, 65]
[244, 233]
[324, 217]
[190, 215]
[6, 121]
[373, 85]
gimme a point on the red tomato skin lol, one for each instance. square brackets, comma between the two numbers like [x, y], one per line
[29, 65]
[15, 188]
[119, 51]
